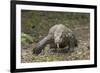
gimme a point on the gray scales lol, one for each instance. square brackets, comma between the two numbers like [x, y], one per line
[59, 36]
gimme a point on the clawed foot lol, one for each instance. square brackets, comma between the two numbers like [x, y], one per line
[36, 51]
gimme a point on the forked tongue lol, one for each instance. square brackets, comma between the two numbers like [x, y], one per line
[57, 45]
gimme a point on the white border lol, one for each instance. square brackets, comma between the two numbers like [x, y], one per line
[20, 65]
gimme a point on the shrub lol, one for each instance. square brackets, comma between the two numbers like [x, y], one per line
[26, 39]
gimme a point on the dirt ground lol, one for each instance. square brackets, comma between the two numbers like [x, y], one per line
[82, 52]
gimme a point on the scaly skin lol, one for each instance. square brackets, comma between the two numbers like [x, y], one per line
[59, 36]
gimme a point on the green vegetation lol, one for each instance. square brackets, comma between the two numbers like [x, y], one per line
[26, 39]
